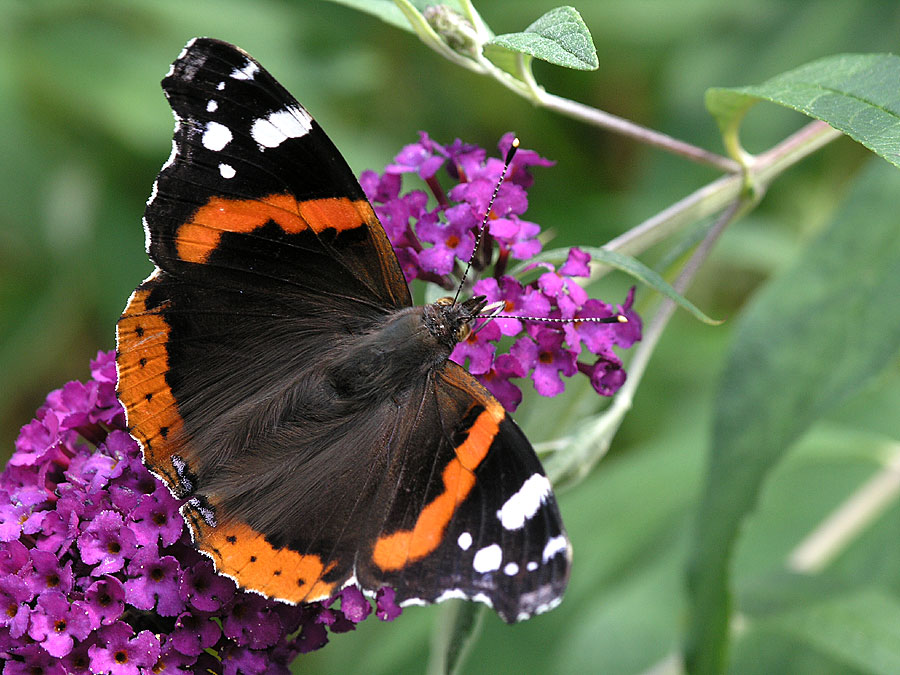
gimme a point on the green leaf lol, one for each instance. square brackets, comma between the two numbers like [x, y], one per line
[385, 10]
[858, 94]
[405, 14]
[861, 630]
[559, 37]
[810, 339]
[632, 267]
[506, 60]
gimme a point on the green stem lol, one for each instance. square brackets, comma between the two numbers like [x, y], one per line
[528, 88]
[647, 136]
[469, 11]
[431, 39]
[713, 197]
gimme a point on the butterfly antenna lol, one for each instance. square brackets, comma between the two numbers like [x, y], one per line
[615, 318]
[509, 157]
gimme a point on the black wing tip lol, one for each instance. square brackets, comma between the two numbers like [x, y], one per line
[204, 44]
[199, 50]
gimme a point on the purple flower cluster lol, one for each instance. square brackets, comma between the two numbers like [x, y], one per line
[435, 242]
[97, 572]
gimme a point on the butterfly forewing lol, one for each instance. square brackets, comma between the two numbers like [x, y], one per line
[254, 185]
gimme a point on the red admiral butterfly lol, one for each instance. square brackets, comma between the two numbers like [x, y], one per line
[282, 384]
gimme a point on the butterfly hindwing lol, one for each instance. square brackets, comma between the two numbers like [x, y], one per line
[483, 523]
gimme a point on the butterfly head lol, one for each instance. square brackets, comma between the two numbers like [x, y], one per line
[451, 322]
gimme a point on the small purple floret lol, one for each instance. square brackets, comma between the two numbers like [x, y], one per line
[119, 652]
[153, 582]
[56, 624]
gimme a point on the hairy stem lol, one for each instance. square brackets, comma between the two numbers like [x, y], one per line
[713, 197]
[528, 88]
[605, 120]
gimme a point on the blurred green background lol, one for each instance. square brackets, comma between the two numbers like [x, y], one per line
[84, 129]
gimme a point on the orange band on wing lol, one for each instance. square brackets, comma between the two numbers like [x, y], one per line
[393, 551]
[142, 362]
[199, 237]
[244, 554]
[340, 214]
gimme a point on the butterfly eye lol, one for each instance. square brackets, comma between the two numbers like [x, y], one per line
[444, 302]
[463, 332]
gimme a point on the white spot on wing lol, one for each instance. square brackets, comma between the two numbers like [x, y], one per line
[227, 170]
[277, 127]
[155, 189]
[353, 581]
[553, 604]
[511, 569]
[457, 593]
[146, 229]
[246, 73]
[451, 594]
[212, 106]
[180, 56]
[220, 86]
[532, 566]
[172, 155]
[190, 43]
[464, 541]
[488, 559]
[216, 136]
[540, 609]
[555, 545]
[524, 503]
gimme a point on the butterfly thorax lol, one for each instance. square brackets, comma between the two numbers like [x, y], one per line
[450, 321]
[403, 347]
